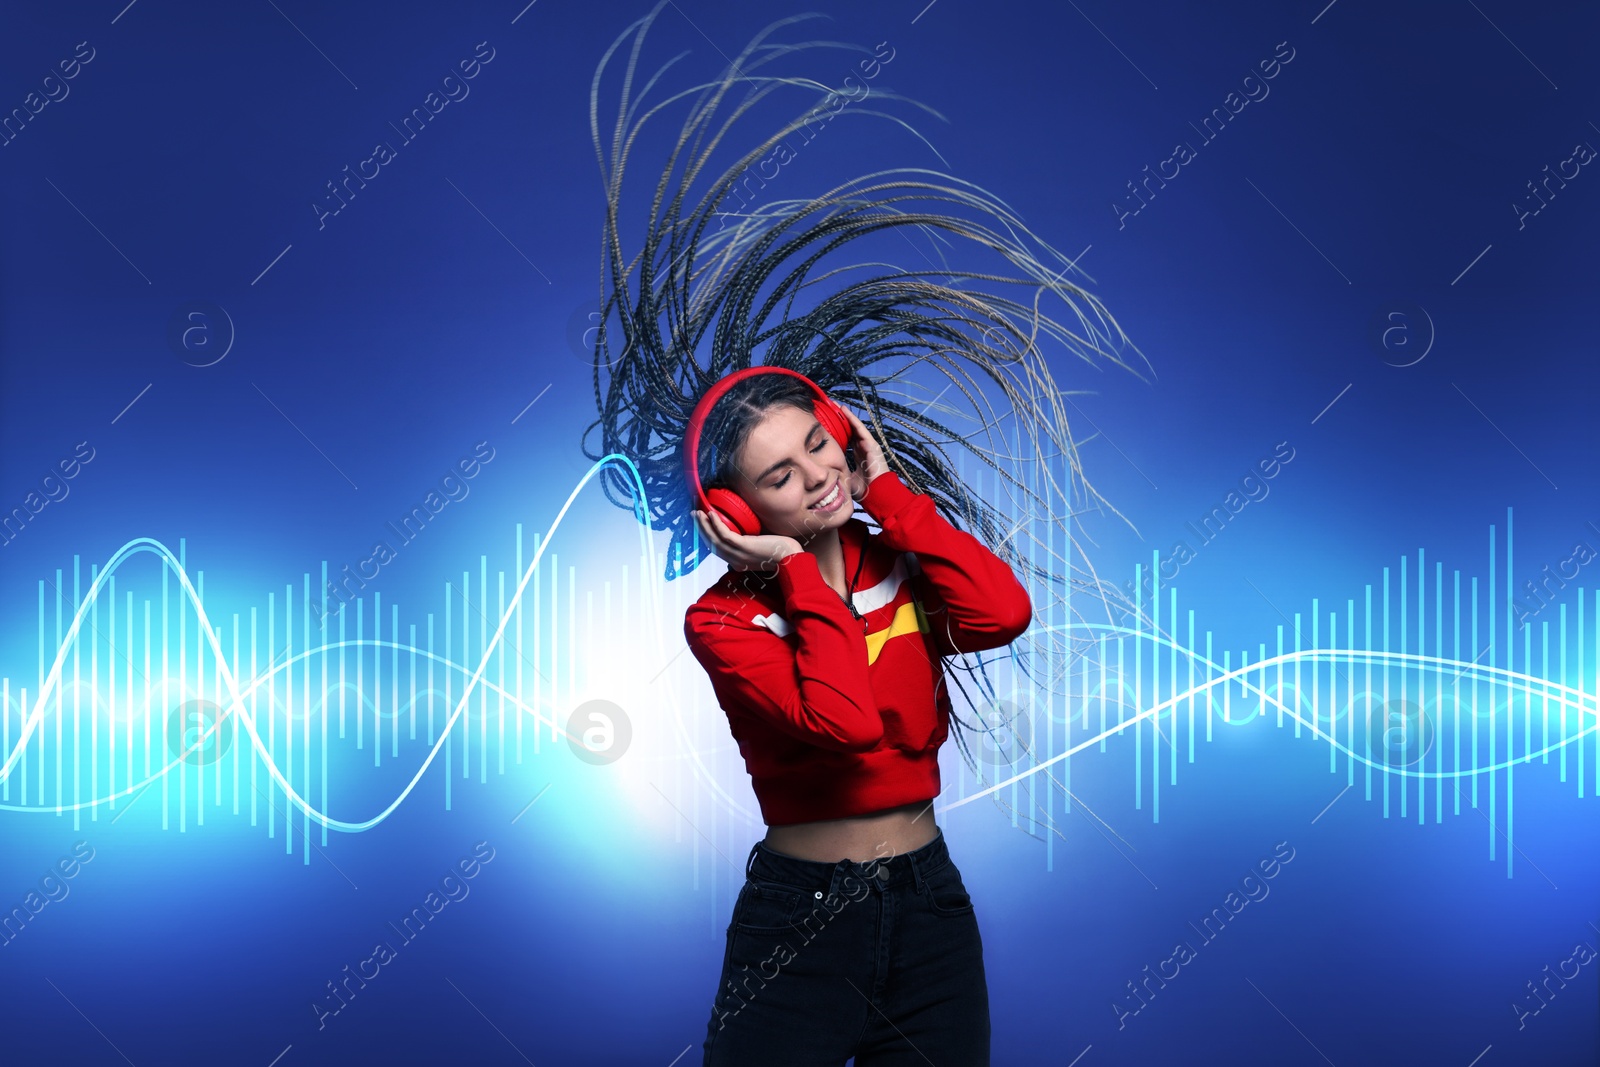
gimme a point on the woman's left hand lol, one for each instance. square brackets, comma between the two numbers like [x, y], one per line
[869, 456]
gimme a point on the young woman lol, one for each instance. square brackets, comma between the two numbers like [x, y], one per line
[827, 642]
[854, 933]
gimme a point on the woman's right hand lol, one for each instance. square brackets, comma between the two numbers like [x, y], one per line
[745, 552]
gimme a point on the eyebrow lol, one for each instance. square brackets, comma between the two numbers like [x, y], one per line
[815, 426]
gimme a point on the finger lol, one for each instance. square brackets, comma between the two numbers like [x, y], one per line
[707, 530]
[718, 532]
[860, 427]
[710, 531]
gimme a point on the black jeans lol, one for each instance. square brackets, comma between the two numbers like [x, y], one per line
[878, 960]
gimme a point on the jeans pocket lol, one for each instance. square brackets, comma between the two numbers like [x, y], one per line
[947, 894]
[768, 907]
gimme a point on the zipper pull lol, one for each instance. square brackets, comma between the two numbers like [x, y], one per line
[850, 604]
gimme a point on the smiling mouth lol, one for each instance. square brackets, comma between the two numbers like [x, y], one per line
[831, 498]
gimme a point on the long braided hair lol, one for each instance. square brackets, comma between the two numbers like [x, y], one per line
[710, 287]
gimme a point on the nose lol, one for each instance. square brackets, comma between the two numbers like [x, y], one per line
[817, 474]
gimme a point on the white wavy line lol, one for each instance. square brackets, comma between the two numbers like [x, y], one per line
[34, 718]
[1225, 676]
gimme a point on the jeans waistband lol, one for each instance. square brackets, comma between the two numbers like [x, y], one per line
[883, 871]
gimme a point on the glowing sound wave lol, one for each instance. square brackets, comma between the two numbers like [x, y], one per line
[236, 696]
[1402, 711]
[507, 695]
[1513, 683]
[1506, 685]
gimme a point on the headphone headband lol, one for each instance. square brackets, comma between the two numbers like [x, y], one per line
[733, 508]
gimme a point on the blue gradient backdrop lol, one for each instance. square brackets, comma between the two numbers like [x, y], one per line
[1357, 265]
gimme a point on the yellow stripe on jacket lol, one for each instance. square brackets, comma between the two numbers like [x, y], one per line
[909, 619]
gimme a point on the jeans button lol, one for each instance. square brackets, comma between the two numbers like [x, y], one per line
[883, 874]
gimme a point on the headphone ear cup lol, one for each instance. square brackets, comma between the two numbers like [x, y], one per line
[835, 422]
[735, 511]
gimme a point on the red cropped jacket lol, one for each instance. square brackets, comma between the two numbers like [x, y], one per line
[836, 716]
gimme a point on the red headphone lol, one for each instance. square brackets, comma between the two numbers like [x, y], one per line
[732, 507]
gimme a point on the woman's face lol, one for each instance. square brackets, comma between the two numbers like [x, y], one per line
[789, 464]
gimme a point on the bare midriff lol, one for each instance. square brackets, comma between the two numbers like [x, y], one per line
[878, 835]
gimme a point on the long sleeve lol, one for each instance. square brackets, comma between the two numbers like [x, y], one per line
[976, 601]
[817, 690]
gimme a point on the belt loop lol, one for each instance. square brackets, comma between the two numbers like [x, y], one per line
[916, 869]
[749, 864]
[920, 856]
[836, 880]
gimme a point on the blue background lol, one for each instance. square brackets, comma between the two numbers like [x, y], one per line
[371, 353]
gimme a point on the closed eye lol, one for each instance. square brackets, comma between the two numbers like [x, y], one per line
[780, 482]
